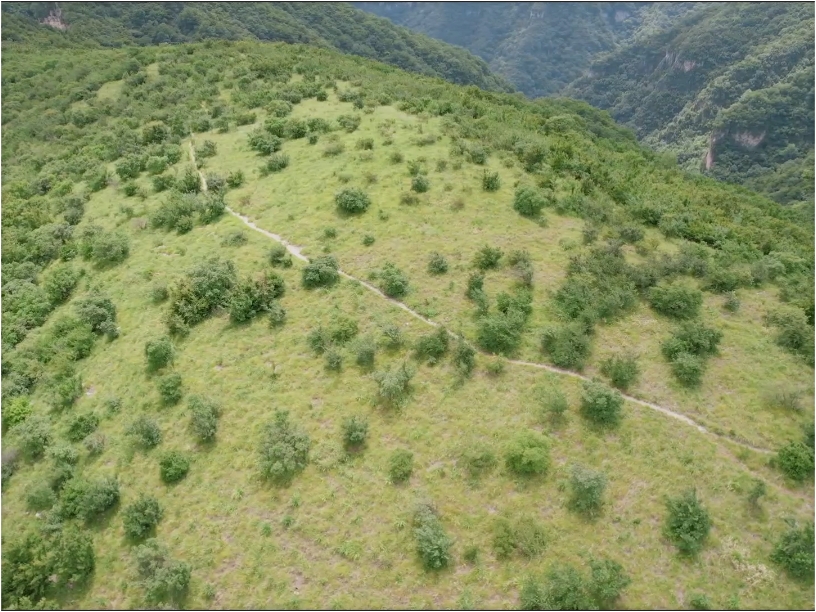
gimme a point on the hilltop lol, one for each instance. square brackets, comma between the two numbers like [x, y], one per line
[507, 357]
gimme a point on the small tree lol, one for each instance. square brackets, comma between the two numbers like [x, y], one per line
[141, 516]
[284, 449]
[528, 201]
[170, 389]
[433, 346]
[487, 258]
[355, 432]
[607, 581]
[687, 523]
[145, 432]
[464, 357]
[622, 370]
[400, 466]
[352, 200]
[159, 353]
[420, 183]
[433, 544]
[394, 386]
[588, 487]
[173, 466]
[82, 425]
[528, 455]
[34, 435]
[600, 404]
[320, 272]
[491, 181]
[676, 300]
[794, 552]
[795, 459]
[437, 264]
[204, 414]
[393, 281]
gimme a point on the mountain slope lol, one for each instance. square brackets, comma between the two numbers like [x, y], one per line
[332, 25]
[192, 418]
[729, 89]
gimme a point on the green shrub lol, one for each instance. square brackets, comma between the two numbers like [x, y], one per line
[631, 234]
[333, 149]
[394, 386]
[400, 466]
[393, 336]
[349, 122]
[368, 240]
[173, 466]
[676, 300]
[204, 414]
[60, 283]
[205, 287]
[622, 370]
[319, 340]
[15, 411]
[352, 200]
[687, 523]
[568, 346]
[795, 460]
[74, 560]
[731, 303]
[553, 402]
[81, 425]
[437, 264]
[433, 544]
[722, 280]
[333, 360]
[393, 281]
[794, 334]
[343, 329]
[523, 536]
[464, 357]
[355, 431]
[235, 179]
[477, 460]
[141, 516]
[420, 184]
[163, 580]
[528, 455]
[692, 338]
[365, 351]
[395, 157]
[688, 369]
[490, 181]
[253, 296]
[159, 293]
[487, 258]
[170, 389]
[295, 128]
[600, 404]
[607, 581]
[40, 496]
[163, 182]
[587, 490]
[794, 552]
[312, 139]
[566, 589]
[235, 239]
[277, 162]
[88, 499]
[145, 432]
[433, 346]
[284, 449]
[263, 143]
[279, 256]
[159, 353]
[130, 189]
[63, 454]
[500, 332]
[329, 232]
[95, 444]
[528, 201]
[320, 272]
[699, 601]
[207, 149]
[365, 144]
[34, 435]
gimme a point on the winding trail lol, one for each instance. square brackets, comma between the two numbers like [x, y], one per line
[296, 252]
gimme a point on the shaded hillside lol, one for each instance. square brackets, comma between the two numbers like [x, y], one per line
[729, 90]
[332, 25]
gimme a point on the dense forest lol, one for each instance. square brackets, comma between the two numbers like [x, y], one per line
[331, 25]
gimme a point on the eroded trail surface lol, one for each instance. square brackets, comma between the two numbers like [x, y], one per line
[296, 252]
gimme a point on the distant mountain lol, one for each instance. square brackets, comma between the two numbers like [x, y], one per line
[331, 25]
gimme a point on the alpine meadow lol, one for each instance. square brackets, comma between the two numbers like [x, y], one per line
[286, 328]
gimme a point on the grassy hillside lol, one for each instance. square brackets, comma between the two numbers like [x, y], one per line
[728, 89]
[152, 331]
[331, 25]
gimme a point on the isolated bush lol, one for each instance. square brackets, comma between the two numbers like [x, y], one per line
[528, 454]
[464, 357]
[333, 360]
[420, 184]
[400, 466]
[687, 523]
[568, 346]
[343, 329]
[433, 544]
[365, 351]
[565, 589]
[395, 157]
[95, 443]
[204, 414]
[352, 200]
[587, 490]
[207, 149]
[600, 404]
[622, 370]
[794, 334]
[794, 552]
[170, 389]
[333, 149]
[523, 536]
[631, 234]
[699, 601]
[145, 432]
[477, 460]
[141, 516]
[528, 201]
[368, 240]
[264, 143]
[607, 581]
[795, 460]
[279, 256]
[205, 287]
[692, 338]
[159, 293]
[253, 296]
[284, 449]
[86, 499]
[433, 346]
[500, 332]
[676, 300]
[34, 435]
[393, 281]
[731, 303]
[163, 580]
[365, 144]
[320, 272]
[437, 264]
[490, 181]
[173, 466]
[393, 336]
[355, 431]
[277, 162]
[81, 425]
[394, 386]
[319, 340]
[235, 179]
[349, 122]
[688, 369]
[487, 258]
[159, 353]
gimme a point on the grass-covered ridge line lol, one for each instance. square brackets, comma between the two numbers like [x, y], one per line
[210, 420]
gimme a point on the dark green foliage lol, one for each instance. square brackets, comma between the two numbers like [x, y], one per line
[400, 466]
[34, 435]
[15, 411]
[688, 369]
[528, 201]
[60, 282]
[795, 460]
[565, 589]
[280, 257]
[95, 443]
[27, 569]
[170, 389]
[141, 516]
[74, 559]
[420, 184]
[235, 179]
[204, 414]
[687, 523]
[82, 425]
[794, 552]
[487, 258]
[207, 149]
[264, 143]
[195, 296]
[477, 460]
[253, 296]
[393, 336]
[319, 340]
[159, 293]
[333, 360]
[393, 281]
[130, 189]
[731, 303]
[692, 338]
[277, 162]
[163, 182]
[699, 601]
[490, 181]
[607, 581]
[437, 264]
[554, 404]
[173, 466]
[343, 329]
[40, 496]
[99, 312]
[394, 386]
[159, 353]
[567, 346]
[433, 346]
[355, 431]
[793, 333]
[88, 499]
[163, 580]
[349, 122]
[352, 200]
[528, 454]
[523, 536]
[600, 404]
[284, 449]
[145, 432]
[320, 272]
[676, 300]
[235, 239]
[368, 240]
[365, 350]
[433, 544]
[622, 370]
[587, 489]
[500, 332]
[365, 144]
[464, 357]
